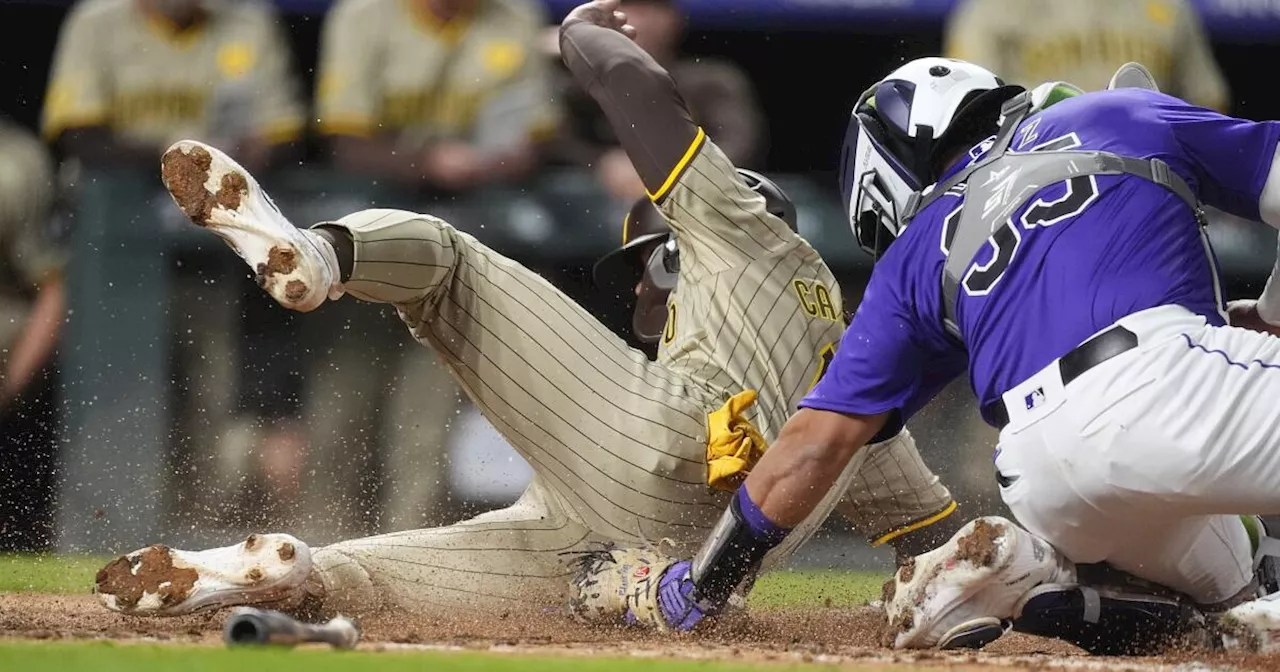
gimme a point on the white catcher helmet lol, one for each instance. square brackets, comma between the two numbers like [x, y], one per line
[900, 132]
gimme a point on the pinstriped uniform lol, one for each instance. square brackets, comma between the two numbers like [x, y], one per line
[618, 442]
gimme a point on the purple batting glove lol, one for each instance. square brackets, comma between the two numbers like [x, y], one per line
[677, 598]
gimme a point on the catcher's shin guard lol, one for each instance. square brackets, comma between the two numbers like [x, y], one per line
[1116, 616]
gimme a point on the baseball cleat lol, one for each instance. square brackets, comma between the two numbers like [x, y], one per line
[963, 593]
[294, 265]
[1253, 626]
[162, 581]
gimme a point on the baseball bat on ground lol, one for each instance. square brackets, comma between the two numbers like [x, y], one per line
[249, 626]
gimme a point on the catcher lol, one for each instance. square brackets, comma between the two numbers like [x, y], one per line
[743, 313]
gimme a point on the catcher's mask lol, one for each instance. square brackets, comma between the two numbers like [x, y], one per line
[903, 131]
[648, 261]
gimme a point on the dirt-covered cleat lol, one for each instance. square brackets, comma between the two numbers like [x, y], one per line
[265, 569]
[962, 594]
[1253, 626]
[296, 266]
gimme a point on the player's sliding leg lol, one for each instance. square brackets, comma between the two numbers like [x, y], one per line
[603, 425]
[508, 560]
[617, 438]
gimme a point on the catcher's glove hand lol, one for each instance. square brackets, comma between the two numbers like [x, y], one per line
[634, 586]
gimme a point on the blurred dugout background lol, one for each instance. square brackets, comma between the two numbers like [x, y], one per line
[150, 392]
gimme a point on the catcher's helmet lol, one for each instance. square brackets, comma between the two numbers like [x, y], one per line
[645, 230]
[903, 129]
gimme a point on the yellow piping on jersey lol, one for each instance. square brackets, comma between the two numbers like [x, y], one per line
[56, 123]
[679, 167]
[734, 445]
[926, 522]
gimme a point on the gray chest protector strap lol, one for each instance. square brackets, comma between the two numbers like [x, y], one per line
[1001, 182]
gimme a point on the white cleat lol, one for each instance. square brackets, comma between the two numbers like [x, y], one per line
[294, 265]
[963, 593]
[161, 581]
[1253, 626]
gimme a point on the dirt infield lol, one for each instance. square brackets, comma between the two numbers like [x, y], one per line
[832, 636]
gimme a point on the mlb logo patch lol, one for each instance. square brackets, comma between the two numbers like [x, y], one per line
[1035, 398]
[641, 572]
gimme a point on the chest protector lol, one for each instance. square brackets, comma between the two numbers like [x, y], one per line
[1002, 181]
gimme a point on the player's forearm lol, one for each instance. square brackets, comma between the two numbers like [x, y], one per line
[637, 95]
[806, 460]
[36, 342]
[784, 488]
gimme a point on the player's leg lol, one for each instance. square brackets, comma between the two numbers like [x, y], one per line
[895, 499]
[616, 435]
[502, 561]
[618, 438]
[511, 560]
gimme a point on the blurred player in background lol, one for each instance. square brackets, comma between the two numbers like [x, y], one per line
[742, 311]
[436, 96]
[448, 94]
[719, 94]
[1083, 42]
[32, 308]
[128, 78]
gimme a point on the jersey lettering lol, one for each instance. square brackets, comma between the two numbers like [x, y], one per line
[1080, 193]
[815, 299]
[669, 330]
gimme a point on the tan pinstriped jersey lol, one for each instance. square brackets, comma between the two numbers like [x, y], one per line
[221, 80]
[1083, 42]
[755, 306]
[27, 256]
[390, 66]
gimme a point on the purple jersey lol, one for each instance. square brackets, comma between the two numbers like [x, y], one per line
[1080, 255]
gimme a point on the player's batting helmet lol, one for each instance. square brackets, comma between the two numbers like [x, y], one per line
[649, 258]
[903, 132]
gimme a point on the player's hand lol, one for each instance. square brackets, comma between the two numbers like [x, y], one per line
[639, 587]
[452, 165]
[603, 13]
[677, 598]
[1244, 314]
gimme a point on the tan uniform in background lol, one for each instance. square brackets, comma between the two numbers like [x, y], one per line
[225, 79]
[31, 307]
[119, 66]
[1027, 42]
[390, 67]
[28, 258]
